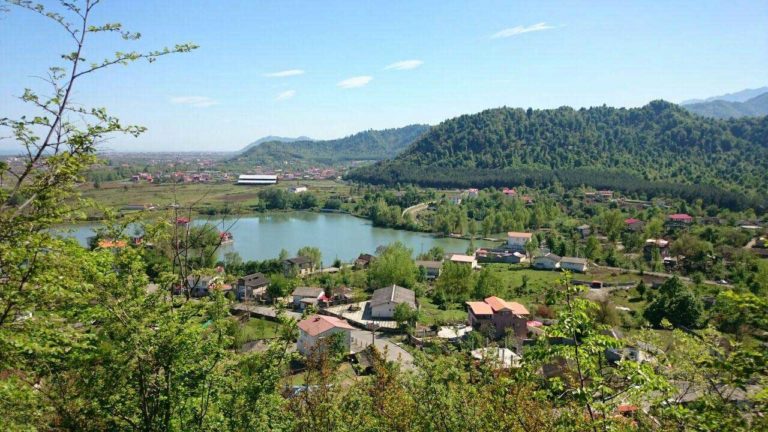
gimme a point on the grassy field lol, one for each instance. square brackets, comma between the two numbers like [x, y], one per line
[219, 196]
[256, 329]
[430, 314]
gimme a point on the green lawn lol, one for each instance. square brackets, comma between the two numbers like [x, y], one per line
[430, 314]
[257, 328]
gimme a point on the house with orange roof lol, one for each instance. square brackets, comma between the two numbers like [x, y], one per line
[495, 315]
[315, 329]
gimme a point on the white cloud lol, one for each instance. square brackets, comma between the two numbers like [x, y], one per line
[285, 95]
[405, 65]
[355, 82]
[514, 31]
[285, 73]
[194, 101]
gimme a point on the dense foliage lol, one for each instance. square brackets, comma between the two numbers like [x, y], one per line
[659, 149]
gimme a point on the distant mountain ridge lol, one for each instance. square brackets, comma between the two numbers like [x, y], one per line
[722, 109]
[657, 149]
[370, 145]
[739, 96]
[272, 138]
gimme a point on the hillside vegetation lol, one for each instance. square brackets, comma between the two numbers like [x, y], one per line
[657, 149]
[370, 145]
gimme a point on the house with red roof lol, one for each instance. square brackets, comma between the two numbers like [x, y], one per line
[316, 329]
[495, 315]
[679, 220]
[509, 192]
[633, 224]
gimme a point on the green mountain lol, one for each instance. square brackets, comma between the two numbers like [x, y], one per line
[658, 149]
[272, 138]
[370, 145]
[757, 106]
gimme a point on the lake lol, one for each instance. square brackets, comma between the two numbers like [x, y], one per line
[342, 236]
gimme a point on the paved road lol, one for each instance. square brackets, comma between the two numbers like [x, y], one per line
[662, 275]
[361, 339]
[415, 208]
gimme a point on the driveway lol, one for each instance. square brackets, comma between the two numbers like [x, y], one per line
[361, 339]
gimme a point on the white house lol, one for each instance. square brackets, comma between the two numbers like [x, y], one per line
[385, 300]
[549, 261]
[299, 189]
[302, 296]
[469, 260]
[579, 265]
[502, 357]
[316, 328]
[517, 240]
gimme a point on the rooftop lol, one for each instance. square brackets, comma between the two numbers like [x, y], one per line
[319, 324]
[519, 234]
[395, 294]
[480, 308]
[308, 292]
[498, 304]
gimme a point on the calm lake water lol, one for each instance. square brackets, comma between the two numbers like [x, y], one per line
[342, 236]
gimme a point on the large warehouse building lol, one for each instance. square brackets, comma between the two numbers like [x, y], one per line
[257, 179]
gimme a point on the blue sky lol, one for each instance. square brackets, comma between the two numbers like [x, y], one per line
[349, 65]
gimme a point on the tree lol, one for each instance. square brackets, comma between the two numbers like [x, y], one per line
[279, 286]
[489, 283]
[405, 315]
[393, 266]
[65, 375]
[675, 303]
[613, 224]
[593, 249]
[456, 282]
[311, 253]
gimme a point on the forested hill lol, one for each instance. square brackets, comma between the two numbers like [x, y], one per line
[370, 145]
[757, 106]
[650, 150]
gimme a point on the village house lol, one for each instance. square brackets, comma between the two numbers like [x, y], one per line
[432, 268]
[472, 193]
[516, 241]
[584, 230]
[509, 192]
[464, 260]
[251, 287]
[364, 261]
[547, 261]
[679, 220]
[579, 265]
[496, 316]
[299, 266]
[651, 244]
[317, 328]
[385, 300]
[499, 256]
[201, 286]
[605, 195]
[298, 189]
[633, 224]
[305, 296]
